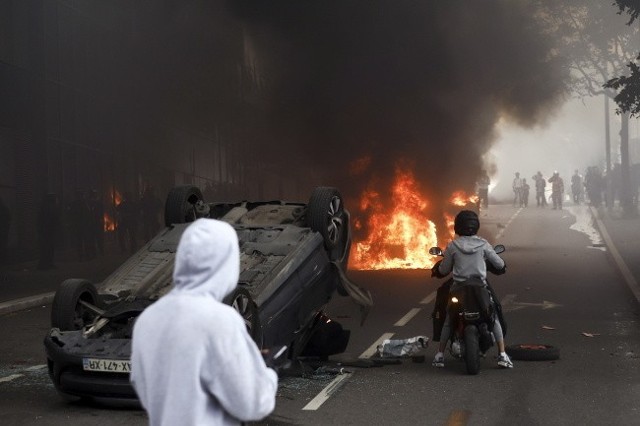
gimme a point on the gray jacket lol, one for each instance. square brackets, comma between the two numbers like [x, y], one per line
[466, 256]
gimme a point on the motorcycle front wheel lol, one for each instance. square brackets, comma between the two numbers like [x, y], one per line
[472, 349]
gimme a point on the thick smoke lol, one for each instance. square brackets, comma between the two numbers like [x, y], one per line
[399, 82]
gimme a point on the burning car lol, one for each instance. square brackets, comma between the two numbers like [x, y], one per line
[293, 258]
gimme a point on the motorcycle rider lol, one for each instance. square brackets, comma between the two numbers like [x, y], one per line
[466, 257]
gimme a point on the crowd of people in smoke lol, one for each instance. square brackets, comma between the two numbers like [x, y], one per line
[592, 187]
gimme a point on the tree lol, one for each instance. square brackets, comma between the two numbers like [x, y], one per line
[598, 46]
[628, 87]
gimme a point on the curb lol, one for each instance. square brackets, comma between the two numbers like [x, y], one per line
[26, 303]
[631, 282]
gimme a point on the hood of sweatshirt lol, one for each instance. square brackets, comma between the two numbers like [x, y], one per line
[207, 259]
[469, 244]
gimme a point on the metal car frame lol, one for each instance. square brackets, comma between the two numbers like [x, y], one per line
[293, 258]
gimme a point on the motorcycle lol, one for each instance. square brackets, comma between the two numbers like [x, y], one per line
[473, 307]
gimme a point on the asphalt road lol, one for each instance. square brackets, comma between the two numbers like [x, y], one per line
[563, 288]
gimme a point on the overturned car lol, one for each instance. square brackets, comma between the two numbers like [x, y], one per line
[293, 258]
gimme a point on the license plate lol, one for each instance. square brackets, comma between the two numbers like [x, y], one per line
[106, 365]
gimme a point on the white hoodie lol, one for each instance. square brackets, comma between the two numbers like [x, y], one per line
[193, 361]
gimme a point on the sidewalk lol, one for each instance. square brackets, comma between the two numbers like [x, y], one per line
[24, 286]
[622, 236]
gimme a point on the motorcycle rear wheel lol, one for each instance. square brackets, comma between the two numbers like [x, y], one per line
[472, 349]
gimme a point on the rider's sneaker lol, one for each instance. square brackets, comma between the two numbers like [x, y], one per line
[504, 361]
[438, 361]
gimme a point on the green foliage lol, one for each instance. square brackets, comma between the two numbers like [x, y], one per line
[628, 87]
[632, 7]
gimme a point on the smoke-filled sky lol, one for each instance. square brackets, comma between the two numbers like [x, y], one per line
[395, 81]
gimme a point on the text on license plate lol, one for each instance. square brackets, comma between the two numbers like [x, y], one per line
[108, 365]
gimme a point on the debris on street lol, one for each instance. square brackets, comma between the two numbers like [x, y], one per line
[402, 347]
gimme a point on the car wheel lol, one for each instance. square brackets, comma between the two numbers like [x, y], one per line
[243, 303]
[182, 204]
[326, 215]
[67, 311]
[533, 352]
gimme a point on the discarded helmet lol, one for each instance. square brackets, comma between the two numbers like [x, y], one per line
[466, 223]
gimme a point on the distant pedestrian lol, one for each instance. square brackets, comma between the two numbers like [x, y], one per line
[127, 220]
[576, 187]
[516, 185]
[557, 190]
[525, 193]
[594, 184]
[48, 229]
[541, 185]
[615, 182]
[483, 189]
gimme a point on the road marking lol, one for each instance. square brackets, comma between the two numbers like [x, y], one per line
[405, 319]
[36, 367]
[544, 305]
[624, 270]
[326, 393]
[509, 304]
[499, 234]
[10, 378]
[374, 348]
[335, 384]
[428, 299]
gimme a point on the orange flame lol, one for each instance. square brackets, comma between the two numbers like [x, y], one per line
[450, 220]
[116, 197]
[109, 223]
[461, 199]
[401, 238]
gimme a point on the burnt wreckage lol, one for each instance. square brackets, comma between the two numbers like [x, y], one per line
[293, 258]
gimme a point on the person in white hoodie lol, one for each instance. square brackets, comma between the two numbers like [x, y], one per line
[466, 257]
[193, 361]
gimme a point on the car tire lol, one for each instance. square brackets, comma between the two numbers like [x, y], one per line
[243, 303]
[180, 204]
[326, 215]
[67, 313]
[533, 352]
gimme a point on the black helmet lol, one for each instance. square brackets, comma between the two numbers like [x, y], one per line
[466, 223]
